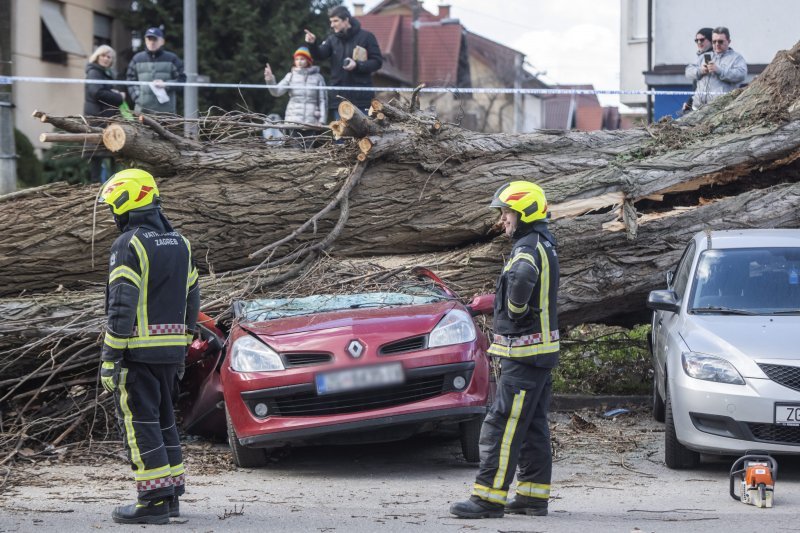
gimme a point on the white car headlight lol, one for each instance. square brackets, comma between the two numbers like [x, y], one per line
[249, 354]
[455, 328]
[710, 368]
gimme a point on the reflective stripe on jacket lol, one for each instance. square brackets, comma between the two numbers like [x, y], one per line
[152, 297]
[525, 306]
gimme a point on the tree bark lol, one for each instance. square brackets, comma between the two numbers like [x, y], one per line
[426, 193]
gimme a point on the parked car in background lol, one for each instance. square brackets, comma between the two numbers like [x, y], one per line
[341, 368]
[725, 346]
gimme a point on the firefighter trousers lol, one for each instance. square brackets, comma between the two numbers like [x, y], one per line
[146, 417]
[516, 433]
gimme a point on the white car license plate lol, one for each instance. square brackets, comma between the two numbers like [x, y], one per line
[787, 414]
[365, 377]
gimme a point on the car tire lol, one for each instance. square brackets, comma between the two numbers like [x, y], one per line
[470, 437]
[659, 407]
[242, 455]
[676, 455]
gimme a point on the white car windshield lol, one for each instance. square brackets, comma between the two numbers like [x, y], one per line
[763, 281]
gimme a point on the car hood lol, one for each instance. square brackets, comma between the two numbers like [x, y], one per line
[755, 337]
[391, 322]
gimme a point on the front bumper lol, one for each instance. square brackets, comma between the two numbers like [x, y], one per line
[728, 419]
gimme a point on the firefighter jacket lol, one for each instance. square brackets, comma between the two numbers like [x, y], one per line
[152, 296]
[525, 306]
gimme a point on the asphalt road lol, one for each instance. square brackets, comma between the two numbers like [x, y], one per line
[608, 476]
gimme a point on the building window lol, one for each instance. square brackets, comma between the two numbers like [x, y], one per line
[102, 30]
[57, 37]
[637, 20]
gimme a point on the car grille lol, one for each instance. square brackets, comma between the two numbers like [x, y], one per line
[405, 345]
[309, 404]
[788, 376]
[307, 359]
[775, 433]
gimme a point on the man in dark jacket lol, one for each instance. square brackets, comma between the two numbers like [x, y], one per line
[526, 339]
[152, 301]
[354, 55]
[157, 66]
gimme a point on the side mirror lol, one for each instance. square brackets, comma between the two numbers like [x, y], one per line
[663, 301]
[482, 304]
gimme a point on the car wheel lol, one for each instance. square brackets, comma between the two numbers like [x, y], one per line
[470, 437]
[658, 402]
[242, 455]
[676, 455]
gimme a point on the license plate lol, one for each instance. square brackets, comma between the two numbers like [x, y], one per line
[365, 377]
[787, 414]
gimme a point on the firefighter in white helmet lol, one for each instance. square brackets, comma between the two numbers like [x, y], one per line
[515, 431]
[152, 301]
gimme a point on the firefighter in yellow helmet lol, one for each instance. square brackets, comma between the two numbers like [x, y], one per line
[515, 431]
[152, 301]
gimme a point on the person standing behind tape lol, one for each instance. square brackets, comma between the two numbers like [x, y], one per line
[308, 100]
[354, 54]
[157, 66]
[526, 339]
[152, 301]
[723, 72]
[101, 100]
[702, 41]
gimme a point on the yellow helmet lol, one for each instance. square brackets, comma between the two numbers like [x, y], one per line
[128, 190]
[524, 197]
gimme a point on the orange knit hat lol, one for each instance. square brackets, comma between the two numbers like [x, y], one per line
[303, 51]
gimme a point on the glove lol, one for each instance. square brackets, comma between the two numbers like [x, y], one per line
[109, 375]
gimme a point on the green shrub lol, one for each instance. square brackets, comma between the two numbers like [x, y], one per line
[598, 359]
[29, 168]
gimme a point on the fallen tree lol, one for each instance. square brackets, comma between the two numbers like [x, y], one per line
[402, 190]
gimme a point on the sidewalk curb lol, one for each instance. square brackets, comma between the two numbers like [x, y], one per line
[571, 402]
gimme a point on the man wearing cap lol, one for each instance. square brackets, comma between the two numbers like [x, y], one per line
[157, 66]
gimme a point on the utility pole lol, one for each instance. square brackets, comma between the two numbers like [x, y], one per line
[8, 152]
[415, 44]
[518, 115]
[190, 104]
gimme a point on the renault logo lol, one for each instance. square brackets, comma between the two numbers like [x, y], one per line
[355, 348]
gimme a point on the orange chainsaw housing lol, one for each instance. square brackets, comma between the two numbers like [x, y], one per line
[758, 473]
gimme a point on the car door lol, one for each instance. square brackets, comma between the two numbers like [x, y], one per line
[665, 324]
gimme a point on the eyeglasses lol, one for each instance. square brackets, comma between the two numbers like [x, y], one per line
[702, 40]
[721, 41]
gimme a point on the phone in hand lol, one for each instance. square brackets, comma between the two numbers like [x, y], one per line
[707, 58]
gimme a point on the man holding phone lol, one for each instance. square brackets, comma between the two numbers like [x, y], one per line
[354, 54]
[717, 72]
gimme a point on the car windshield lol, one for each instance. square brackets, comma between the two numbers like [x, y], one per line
[747, 281]
[272, 308]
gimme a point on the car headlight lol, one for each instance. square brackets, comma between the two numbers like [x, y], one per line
[710, 368]
[456, 327]
[251, 355]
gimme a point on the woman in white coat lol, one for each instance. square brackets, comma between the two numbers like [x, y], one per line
[308, 100]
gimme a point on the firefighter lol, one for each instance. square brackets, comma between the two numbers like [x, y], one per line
[152, 301]
[515, 431]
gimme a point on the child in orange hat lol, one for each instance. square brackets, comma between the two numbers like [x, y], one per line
[308, 102]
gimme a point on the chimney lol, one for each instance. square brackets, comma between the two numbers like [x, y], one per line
[444, 12]
[358, 9]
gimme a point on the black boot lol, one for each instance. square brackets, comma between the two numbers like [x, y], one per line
[174, 507]
[527, 505]
[477, 508]
[143, 512]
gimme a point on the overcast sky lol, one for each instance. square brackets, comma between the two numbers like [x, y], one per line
[574, 41]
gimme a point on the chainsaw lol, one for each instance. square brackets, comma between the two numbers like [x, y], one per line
[755, 475]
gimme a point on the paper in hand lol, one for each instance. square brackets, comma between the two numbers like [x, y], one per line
[160, 92]
[359, 53]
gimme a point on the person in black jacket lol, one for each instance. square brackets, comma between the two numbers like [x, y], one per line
[354, 55]
[152, 302]
[100, 100]
[526, 339]
[155, 65]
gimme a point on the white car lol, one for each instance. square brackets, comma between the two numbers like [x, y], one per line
[726, 346]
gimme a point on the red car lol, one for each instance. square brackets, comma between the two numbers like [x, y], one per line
[341, 369]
